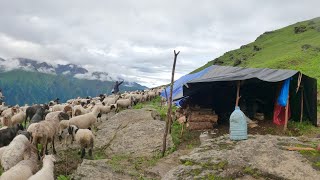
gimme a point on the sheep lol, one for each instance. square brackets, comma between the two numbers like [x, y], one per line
[18, 118]
[14, 152]
[43, 133]
[64, 134]
[111, 99]
[30, 111]
[6, 121]
[58, 107]
[46, 172]
[84, 137]
[38, 116]
[124, 103]
[7, 135]
[2, 149]
[105, 109]
[61, 115]
[25, 168]
[86, 120]
[79, 110]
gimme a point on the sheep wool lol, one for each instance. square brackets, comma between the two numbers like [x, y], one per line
[86, 120]
[14, 152]
[25, 168]
[47, 169]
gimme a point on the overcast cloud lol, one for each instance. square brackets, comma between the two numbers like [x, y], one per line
[136, 39]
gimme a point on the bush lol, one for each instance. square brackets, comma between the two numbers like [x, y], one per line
[300, 29]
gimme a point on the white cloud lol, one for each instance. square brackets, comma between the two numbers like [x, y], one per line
[135, 40]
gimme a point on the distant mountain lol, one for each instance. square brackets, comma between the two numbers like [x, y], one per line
[27, 81]
[72, 70]
[293, 47]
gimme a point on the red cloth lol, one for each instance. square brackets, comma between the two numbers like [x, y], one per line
[279, 114]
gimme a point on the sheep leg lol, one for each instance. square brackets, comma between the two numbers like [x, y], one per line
[54, 149]
[83, 152]
[46, 149]
[90, 152]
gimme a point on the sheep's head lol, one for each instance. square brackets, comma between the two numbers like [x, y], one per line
[49, 158]
[63, 116]
[72, 130]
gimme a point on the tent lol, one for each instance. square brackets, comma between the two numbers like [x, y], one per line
[216, 88]
[177, 91]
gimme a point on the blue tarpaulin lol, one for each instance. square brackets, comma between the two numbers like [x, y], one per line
[284, 93]
[177, 91]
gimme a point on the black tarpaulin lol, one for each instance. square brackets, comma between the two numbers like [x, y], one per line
[228, 73]
[218, 85]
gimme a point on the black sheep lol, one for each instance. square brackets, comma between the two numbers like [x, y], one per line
[31, 111]
[38, 116]
[7, 135]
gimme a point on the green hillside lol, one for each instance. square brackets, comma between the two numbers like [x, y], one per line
[21, 87]
[294, 47]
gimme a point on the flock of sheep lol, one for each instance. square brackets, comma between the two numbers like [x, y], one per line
[28, 129]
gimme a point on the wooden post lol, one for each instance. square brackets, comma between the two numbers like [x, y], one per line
[286, 115]
[169, 118]
[238, 93]
[301, 115]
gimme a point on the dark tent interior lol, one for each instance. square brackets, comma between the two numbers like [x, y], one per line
[257, 96]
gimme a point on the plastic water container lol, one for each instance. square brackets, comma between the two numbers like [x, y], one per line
[238, 125]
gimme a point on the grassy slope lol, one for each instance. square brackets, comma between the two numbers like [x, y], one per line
[280, 49]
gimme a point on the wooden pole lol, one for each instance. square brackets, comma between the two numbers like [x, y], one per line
[301, 115]
[169, 117]
[286, 115]
[238, 93]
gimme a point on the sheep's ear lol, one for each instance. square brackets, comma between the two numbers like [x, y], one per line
[76, 131]
[112, 106]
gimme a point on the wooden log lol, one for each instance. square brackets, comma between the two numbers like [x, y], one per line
[299, 148]
[201, 112]
[203, 118]
[286, 115]
[199, 125]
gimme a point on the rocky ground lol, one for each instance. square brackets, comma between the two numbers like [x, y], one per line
[125, 144]
[128, 144]
[259, 157]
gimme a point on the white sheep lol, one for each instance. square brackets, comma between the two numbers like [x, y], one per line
[2, 149]
[25, 168]
[14, 152]
[79, 110]
[44, 133]
[84, 137]
[86, 120]
[46, 172]
[124, 103]
[18, 118]
[111, 99]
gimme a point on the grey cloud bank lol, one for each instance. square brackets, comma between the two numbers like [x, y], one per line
[136, 39]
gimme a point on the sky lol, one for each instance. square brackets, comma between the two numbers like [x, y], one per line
[136, 39]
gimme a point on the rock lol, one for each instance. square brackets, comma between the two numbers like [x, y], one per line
[131, 132]
[261, 153]
[97, 169]
[155, 115]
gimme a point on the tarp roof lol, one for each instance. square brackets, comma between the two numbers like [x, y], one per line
[228, 73]
[177, 91]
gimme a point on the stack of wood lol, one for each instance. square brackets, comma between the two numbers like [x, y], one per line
[201, 119]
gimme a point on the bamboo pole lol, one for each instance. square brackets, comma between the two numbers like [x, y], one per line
[301, 115]
[286, 115]
[169, 117]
